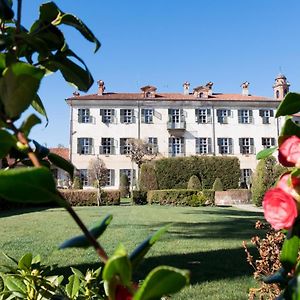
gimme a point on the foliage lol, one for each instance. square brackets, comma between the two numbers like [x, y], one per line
[89, 197]
[194, 183]
[139, 197]
[268, 261]
[77, 184]
[147, 179]
[217, 186]
[209, 195]
[124, 186]
[176, 197]
[264, 177]
[175, 172]
[26, 56]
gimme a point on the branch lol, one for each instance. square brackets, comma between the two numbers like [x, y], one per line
[19, 9]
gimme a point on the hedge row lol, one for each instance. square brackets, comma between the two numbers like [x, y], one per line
[174, 173]
[89, 197]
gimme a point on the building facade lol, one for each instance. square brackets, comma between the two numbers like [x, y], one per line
[198, 122]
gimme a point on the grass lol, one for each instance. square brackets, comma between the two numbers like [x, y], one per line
[205, 240]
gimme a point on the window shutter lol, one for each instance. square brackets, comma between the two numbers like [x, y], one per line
[91, 146]
[209, 148]
[240, 141]
[252, 141]
[230, 146]
[170, 145]
[197, 114]
[273, 141]
[143, 112]
[79, 114]
[208, 112]
[218, 112]
[229, 112]
[239, 113]
[170, 110]
[250, 113]
[219, 141]
[271, 113]
[261, 112]
[112, 113]
[79, 146]
[112, 176]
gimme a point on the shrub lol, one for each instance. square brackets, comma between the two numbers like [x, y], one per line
[210, 196]
[89, 197]
[217, 186]
[264, 177]
[172, 173]
[147, 178]
[194, 183]
[124, 186]
[77, 184]
[139, 197]
[181, 197]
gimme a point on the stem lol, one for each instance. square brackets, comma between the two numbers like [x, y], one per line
[100, 251]
[19, 9]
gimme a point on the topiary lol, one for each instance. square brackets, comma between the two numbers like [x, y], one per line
[124, 186]
[77, 184]
[194, 183]
[218, 185]
[147, 178]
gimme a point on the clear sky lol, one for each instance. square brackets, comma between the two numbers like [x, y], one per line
[166, 42]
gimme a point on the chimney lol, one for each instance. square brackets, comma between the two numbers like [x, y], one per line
[101, 87]
[245, 88]
[186, 88]
[209, 86]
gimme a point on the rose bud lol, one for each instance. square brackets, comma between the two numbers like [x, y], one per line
[289, 152]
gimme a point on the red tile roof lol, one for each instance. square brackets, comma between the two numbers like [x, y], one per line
[170, 97]
[63, 152]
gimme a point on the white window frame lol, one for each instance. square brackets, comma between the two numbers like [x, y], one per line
[107, 115]
[107, 146]
[176, 146]
[125, 147]
[202, 145]
[222, 115]
[84, 145]
[147, 115]
[152, 145]
[84, 115]
[225, 145]
[267, 142]
[246, 145]
[127, 115]
[83, 175]
[245, 116]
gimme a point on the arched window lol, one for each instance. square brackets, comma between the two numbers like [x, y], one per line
[285, 92]
[277, 94]
[200, 95]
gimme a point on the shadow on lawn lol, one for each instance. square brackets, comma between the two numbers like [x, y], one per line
[204, 266]
[225, 211]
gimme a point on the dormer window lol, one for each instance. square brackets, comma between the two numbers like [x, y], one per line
[149, 91]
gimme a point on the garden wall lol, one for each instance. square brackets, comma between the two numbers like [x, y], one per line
[230, 197]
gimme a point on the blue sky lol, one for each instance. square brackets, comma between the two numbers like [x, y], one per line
[166, 42]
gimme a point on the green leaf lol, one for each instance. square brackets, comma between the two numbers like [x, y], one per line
[161, 281]
[289, 105]
[289, 129]
[266, 153]
[81, 241]
[62, 163]
[37, 104]
[2, 62]
[77, 273]
[6, 142]
[141, 250]
[6, 12]
[40, 150]
[18, 87]
[25, 262]
[118, 265]
[15, 284]
[73, 286]
[35, 185]
[31, 121]
[289, 252]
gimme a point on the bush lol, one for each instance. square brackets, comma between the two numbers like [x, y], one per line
[147, 178]
[194, 183]
[264, 177]
[174, 173]
[210, 196]
[180, 197]
[89, 197]
[77, 184]
[124, 186]
[217, 186]
[139, 197]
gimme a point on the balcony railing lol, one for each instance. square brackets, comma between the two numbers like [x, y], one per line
[176, 125]
[107, 150]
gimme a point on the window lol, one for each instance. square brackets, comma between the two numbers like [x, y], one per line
[110, 179]
[246, 178]
[246, 145]
[84, 115]
[128, 172]
[125, 147]
[176, 118]
[176, 146]
[127, 116]
[267, 142]
[265, 114]
[245, 116]
[83, 175]
[277, 94]
[152, 145]
[223, 115]
[203, 145]
[203, 116]
[84, 145]
[225, 145]
[107, 146]
[108, 115]
[147, 115]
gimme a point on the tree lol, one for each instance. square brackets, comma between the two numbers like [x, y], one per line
[97, 174]
[147, 180]
[194, 183]
[124, 185]
[218, 185]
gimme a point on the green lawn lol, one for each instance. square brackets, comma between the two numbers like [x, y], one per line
[205, 240]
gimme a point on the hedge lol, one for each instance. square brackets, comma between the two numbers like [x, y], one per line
[180, 197]
[89, 197]
[139, 197]
[174, 173]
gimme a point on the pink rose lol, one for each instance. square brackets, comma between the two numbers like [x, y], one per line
[289, 152]
[289, 184]
[279, 208]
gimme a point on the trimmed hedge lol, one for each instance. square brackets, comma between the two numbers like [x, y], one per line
[147, 180]
[210, 196]
[89, 197]
[174, 173]
[180, 197]
[139, 197]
